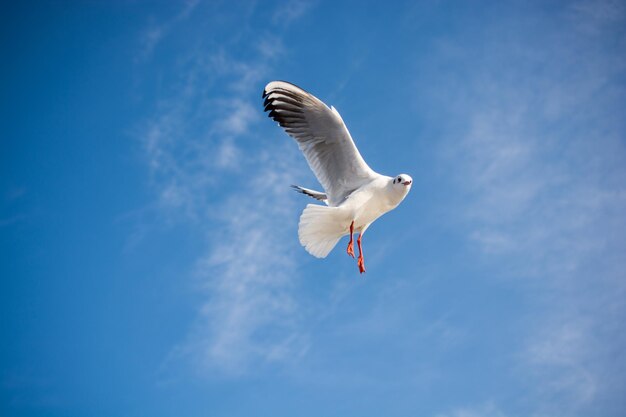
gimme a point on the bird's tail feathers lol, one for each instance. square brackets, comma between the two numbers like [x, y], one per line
[320, 229]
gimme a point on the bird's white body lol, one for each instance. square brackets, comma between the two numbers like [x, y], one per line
[321, 227]
[355, 195]
[372, 201]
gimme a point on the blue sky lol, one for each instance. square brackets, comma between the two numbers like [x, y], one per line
[150, 261]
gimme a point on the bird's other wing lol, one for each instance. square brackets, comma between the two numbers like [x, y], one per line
[311, 193]
[322, 137]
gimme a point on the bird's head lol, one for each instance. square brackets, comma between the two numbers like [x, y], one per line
[402, 182]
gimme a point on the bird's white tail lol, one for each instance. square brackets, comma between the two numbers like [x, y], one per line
[320, 229]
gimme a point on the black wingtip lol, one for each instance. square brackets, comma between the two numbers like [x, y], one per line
[266, 93]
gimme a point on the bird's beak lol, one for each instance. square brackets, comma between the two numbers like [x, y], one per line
[407, 183]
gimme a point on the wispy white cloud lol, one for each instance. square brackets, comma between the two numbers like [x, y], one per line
[538, 150]
[558, 354]
[251, 314]
[593, 16]
[290, 11]
[271, 47]
[150, 38]
[154, 34]
[489, 409]
[8, 221]
[551, 218]
[196, 147]
[14, 193]
[239, 115]
[228, 155]
[9, 215]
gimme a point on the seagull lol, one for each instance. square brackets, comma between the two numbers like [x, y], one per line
[354, 194]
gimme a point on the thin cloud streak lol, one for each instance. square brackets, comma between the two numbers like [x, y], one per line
[539, 156]
[195, 141]
[155, 33]
[291, 11]
[489, 409]
[252, 314]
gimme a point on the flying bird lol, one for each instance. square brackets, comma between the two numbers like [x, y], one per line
[354, 194]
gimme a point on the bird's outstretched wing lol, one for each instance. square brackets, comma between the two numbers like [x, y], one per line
[323, 138]
[311, 193]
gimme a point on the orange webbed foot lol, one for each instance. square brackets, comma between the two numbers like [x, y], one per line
[361, 261]
[361, 264]
[350, 249]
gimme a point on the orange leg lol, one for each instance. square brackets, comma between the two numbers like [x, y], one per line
[350, 249]
[361, 261]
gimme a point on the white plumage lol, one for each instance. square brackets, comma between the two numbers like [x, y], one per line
[355, 194]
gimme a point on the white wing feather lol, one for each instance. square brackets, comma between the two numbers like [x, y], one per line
[322, 137]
